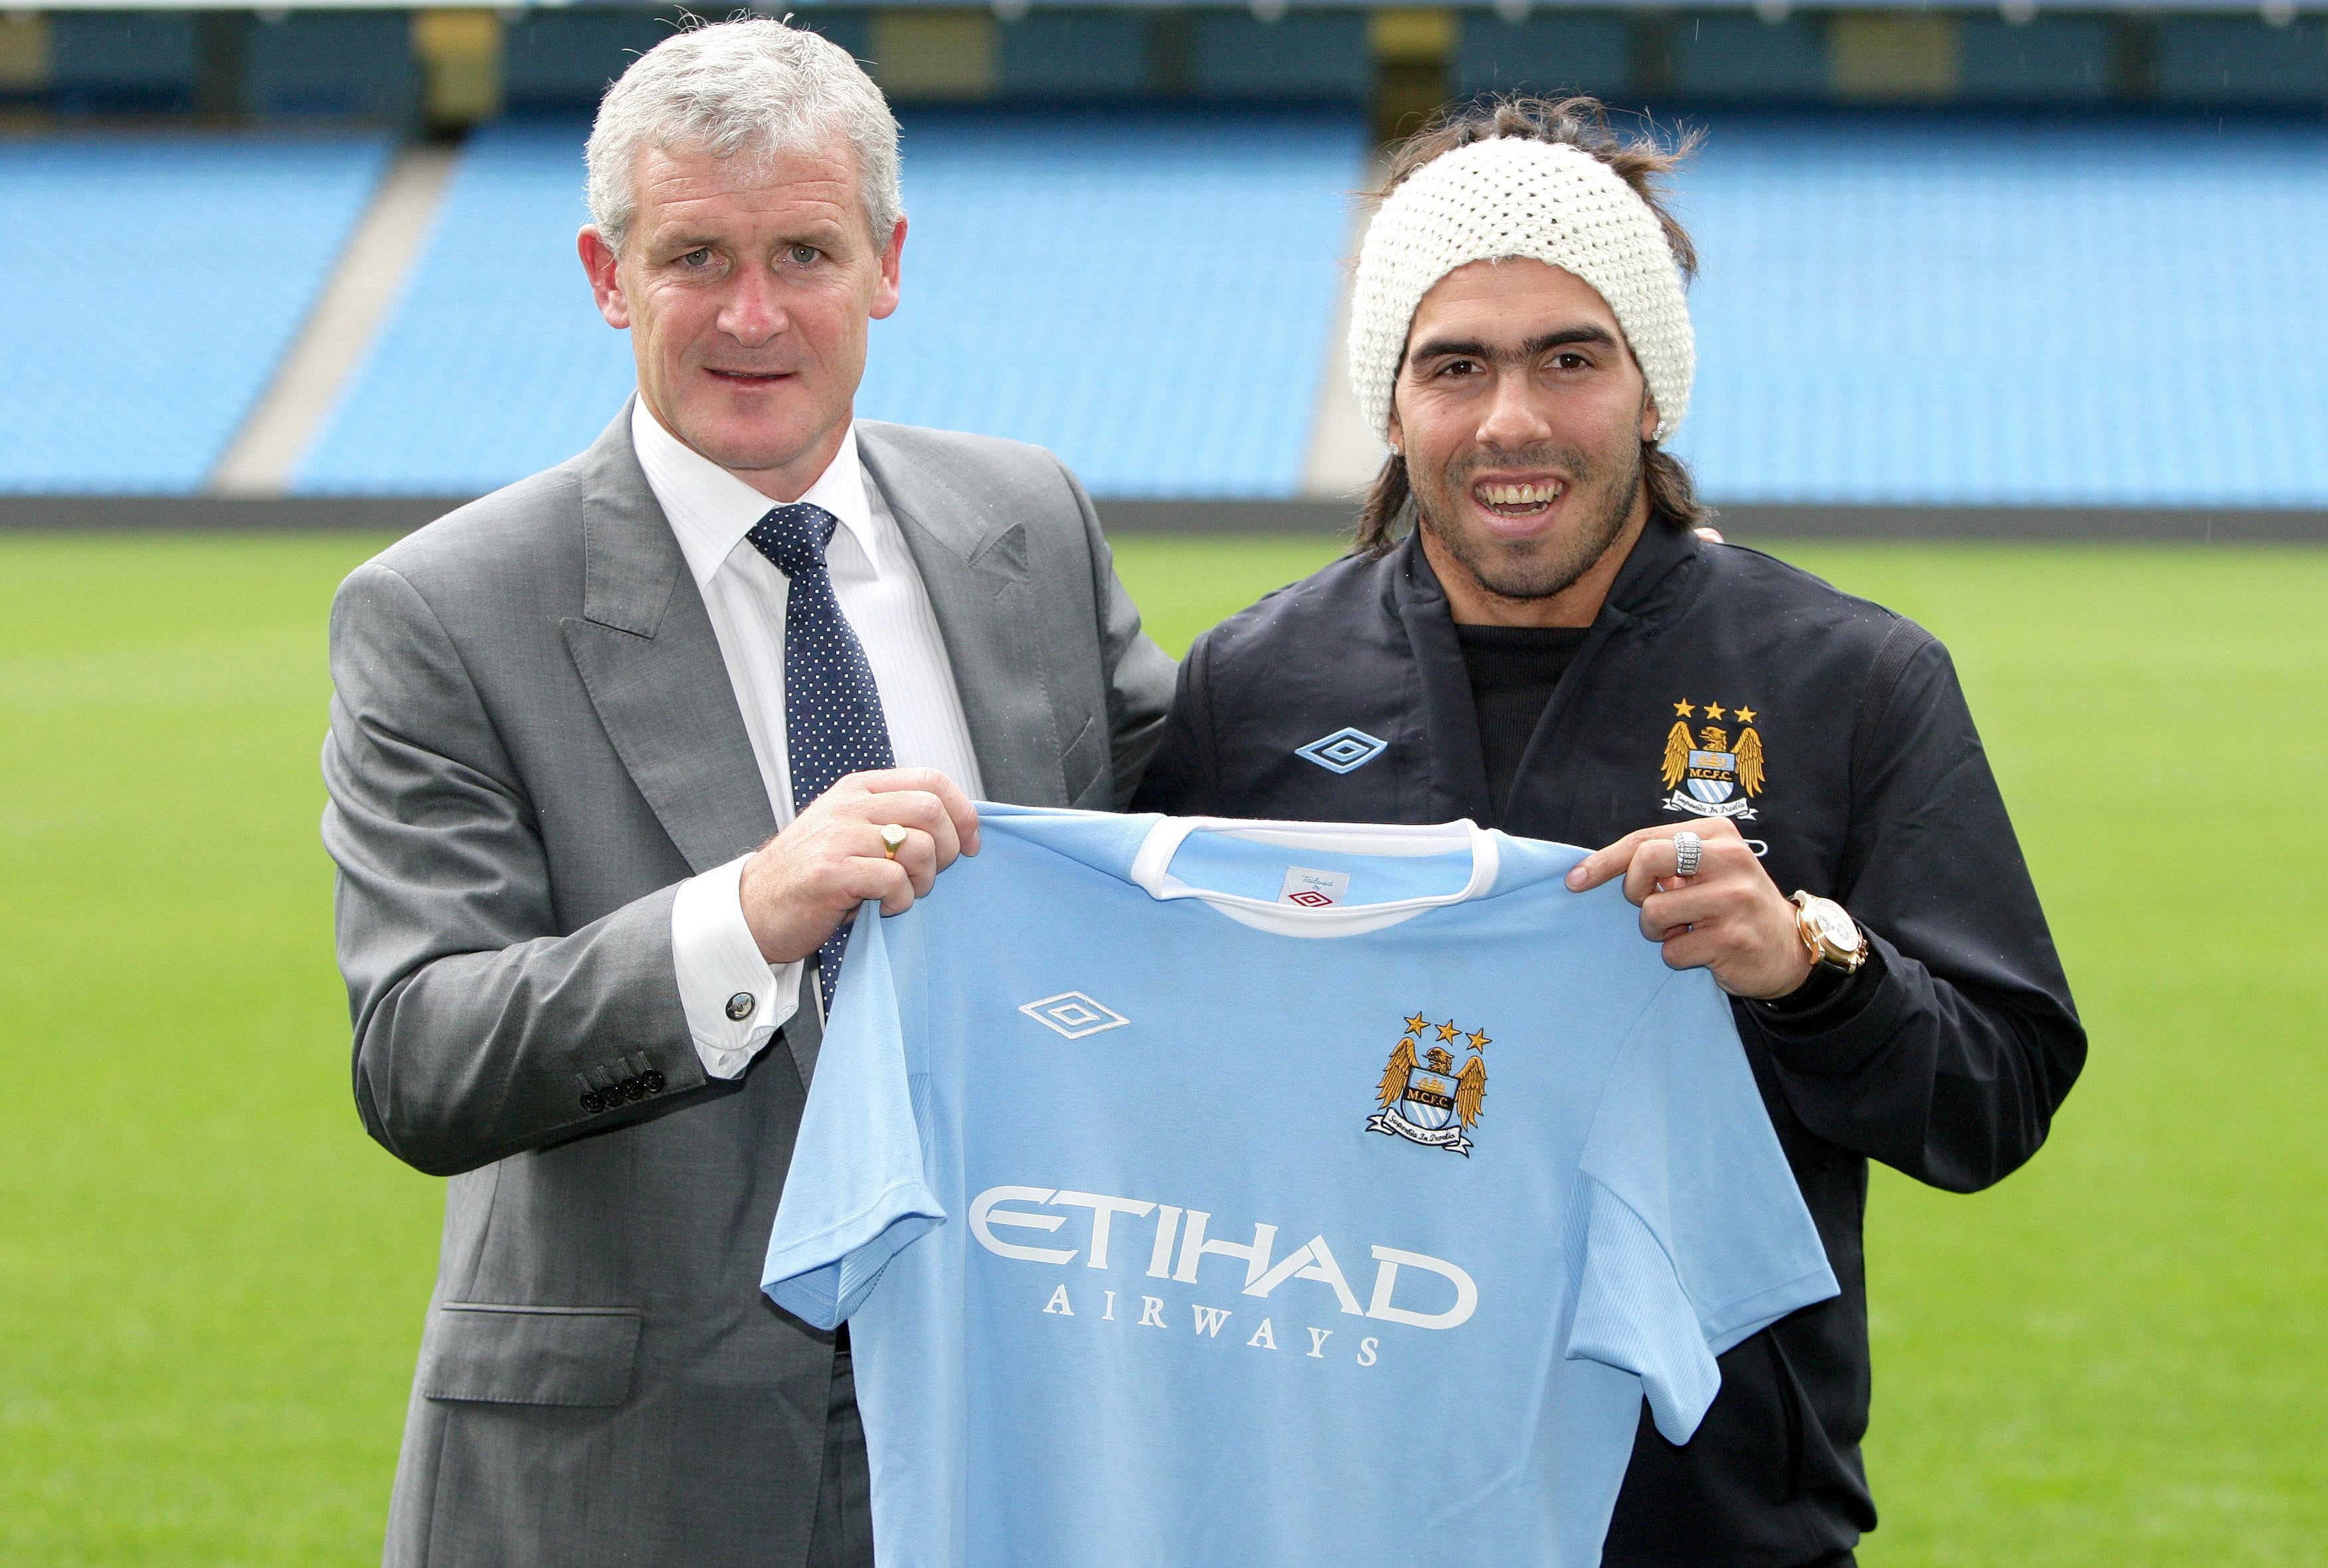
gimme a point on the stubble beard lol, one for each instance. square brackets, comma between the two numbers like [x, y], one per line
[1548, 565]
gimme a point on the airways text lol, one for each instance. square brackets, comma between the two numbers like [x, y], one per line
[1409, 1288]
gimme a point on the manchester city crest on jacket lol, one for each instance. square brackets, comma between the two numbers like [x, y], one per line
[1714, 771]
[1427, 1100]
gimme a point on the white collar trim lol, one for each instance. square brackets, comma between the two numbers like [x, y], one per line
[1152, 868]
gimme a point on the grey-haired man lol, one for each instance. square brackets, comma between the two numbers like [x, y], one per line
[614, 754]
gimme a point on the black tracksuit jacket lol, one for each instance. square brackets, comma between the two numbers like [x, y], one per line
[1944, 1058]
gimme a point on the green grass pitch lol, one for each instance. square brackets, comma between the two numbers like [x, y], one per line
[212, 1283]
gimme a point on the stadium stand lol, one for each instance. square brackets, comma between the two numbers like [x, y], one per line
[560, 60]
[1302, 54]
[2038, 60]
[1949, 311]
[1085, 282]
[153, 284]
[1545, 53]
[1150, 297]
[2223, 59]
[120, 63]
[493, 363]
[1076, 54]
[1742, 57]
[1895, 310]
[2079, 275]
[343, 65]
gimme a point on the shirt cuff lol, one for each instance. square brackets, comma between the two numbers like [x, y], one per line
[1821, 986]
[735, 999]
[1834, 1033]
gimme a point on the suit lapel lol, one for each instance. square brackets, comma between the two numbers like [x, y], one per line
[648, 657]
[974, 565]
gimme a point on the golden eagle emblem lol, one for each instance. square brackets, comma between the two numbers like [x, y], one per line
[1713, 772]
[1427, 1100]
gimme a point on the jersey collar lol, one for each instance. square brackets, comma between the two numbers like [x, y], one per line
[1152, 868]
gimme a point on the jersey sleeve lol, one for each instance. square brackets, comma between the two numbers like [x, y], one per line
[1693, 1233]
[857, 1194]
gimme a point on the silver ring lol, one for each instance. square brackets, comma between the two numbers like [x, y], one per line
[1687, 849]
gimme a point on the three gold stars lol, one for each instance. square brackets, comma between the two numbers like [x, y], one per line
[1448, 1032]
[1684, 709]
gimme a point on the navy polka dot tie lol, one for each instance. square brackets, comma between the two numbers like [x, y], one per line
[833, 724]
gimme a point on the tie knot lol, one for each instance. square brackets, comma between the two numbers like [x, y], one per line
[794, 537]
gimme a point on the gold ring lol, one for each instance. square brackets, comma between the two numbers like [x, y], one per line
[893, 839]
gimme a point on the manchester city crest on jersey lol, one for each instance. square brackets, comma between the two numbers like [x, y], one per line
[1715, 769]
[1427, 1100]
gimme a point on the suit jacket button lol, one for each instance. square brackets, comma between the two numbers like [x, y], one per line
[631, 1089]
[593, 1102]
[740, 1005]
[654, 1079]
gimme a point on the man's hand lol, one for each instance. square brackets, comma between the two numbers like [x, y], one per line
[801, 885]
[1729, 917]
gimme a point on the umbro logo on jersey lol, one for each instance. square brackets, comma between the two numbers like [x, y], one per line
[1345, 750]
[1074, 1015]
[1308, 888]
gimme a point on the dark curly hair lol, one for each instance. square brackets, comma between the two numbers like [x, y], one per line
[1642, 161]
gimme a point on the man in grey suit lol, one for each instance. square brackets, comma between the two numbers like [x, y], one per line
[586, 966]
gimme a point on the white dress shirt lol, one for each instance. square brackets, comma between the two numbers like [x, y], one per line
[880, 592]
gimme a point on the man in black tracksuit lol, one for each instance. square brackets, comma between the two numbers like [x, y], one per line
[1808, 739]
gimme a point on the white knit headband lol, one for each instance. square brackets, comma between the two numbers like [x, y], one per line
[1510, 196]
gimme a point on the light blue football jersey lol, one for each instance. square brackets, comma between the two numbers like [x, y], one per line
[1275, 1194]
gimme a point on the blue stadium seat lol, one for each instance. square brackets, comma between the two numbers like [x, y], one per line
[170, 276]
[1933, 311]
[1149, 296]
[493, 363]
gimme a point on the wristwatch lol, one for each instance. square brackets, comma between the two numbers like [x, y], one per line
[1829, 931]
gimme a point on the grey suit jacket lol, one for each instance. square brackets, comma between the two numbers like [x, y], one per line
[533, 740]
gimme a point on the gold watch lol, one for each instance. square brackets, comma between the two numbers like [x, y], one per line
[1828, 931]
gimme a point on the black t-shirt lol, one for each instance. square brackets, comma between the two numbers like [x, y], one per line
[1513, 671]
